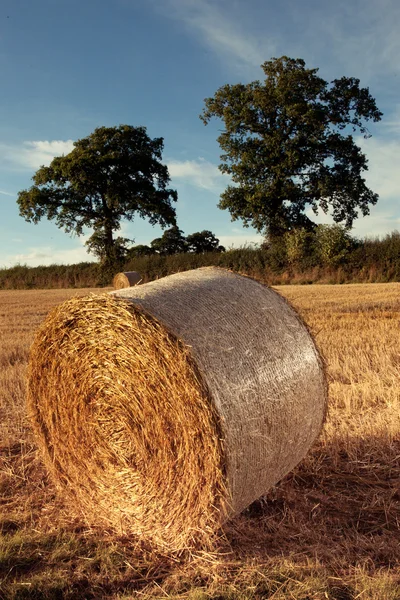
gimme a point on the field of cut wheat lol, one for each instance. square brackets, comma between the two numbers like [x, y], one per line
[329, 530]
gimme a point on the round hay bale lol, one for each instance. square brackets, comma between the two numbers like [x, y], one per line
[169, 407]
[127, 279]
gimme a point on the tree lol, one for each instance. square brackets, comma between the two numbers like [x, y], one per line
[203, 241]
[113, 174]
[140, 250]
[333, 244]
[299, 244]
[287, 146]
[97, 244]
[171, 242]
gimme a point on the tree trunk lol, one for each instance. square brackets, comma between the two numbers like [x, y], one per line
[109, 262]
[109, 249]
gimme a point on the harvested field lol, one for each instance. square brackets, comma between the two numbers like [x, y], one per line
[330, 529]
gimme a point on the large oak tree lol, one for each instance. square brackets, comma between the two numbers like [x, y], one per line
[113, 174]
[287, 144]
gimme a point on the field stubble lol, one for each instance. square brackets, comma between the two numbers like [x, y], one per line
[330, 529]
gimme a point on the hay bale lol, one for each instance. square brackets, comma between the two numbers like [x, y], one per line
[169, 407]
[127, 279]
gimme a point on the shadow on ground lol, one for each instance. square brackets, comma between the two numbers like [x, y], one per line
[337, 508]
[334, 511]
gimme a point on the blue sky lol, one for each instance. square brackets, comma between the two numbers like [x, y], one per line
[70, 66]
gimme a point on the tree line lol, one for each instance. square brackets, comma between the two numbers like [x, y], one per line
[287, 144]
[330, 256]
[174, 242]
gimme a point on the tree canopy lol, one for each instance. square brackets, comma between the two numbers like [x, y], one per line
[113, 174]
[97, 245]
[203, 241]
[171, 242]
[287, 144]
[140, 250]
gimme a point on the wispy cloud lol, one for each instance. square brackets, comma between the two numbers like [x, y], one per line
[360, 36]
[31, 155]
[7, 194]
[391, 124]
[218, 28]
[199, 173]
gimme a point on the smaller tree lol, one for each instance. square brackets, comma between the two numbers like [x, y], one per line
[113, 174]
[299, 245]
[203, 241]
[97, 244]
[171, 242]
[333, 244]
[140, 250]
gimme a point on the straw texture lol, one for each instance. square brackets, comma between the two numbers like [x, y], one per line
[127, 279]
[169, 407]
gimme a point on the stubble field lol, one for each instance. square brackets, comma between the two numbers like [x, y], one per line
[329, 530]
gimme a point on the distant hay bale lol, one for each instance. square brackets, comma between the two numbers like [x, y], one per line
[169, 407]
[127, 279]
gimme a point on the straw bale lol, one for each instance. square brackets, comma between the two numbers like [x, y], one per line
[169, 407]
[127, 279]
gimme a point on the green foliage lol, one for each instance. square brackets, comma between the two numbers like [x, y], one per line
[326, 245]
[333, 244]
[174, 242]
[171, 242]
[53, 276]
[203, 241]
[298, 260]
[140, 250]
[378, 259]
[299, 245]
[113, 174]
[97, 244]
[285, 147]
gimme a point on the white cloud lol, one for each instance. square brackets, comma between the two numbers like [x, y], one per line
[7, 194]
[48, 255]
[199, 173]
[31, 155]
[238, 241]
[382, 220]
[38, 153]
[383, 175]
[217, 28]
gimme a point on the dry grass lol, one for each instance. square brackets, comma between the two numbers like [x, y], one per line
[328, 530]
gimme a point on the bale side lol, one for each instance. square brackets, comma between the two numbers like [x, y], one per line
[259, 362]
